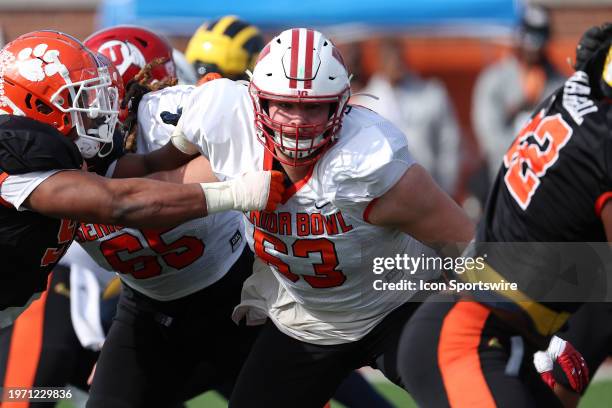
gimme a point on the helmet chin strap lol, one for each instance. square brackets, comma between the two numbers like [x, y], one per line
[88, 148]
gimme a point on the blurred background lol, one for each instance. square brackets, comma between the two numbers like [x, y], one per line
[458, 76]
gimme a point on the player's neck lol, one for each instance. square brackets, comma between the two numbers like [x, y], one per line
[296, 173]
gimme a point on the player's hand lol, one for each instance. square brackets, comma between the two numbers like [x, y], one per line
[571, 361]
[277, 188]
[590, 41]
[261, 190]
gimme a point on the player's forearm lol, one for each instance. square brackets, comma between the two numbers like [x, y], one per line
[151, 204]
[197, 170]
[144, 203]
[136, 203]
[139, 165]
[446, 228]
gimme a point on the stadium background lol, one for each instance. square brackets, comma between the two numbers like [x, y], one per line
[452, 40]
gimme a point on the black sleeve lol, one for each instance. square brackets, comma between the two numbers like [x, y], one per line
[27, 145]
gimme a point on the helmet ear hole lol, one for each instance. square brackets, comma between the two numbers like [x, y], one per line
[203, 68]
[28, 100]
[43, 108]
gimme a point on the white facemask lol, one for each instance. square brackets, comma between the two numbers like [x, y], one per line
[289, 145]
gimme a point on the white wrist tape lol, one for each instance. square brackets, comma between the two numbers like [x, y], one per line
[542, 362]
[248, 192]
[219, 196]
[556, 347]
[179, 141]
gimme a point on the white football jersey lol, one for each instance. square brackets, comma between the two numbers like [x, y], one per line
[153, 133]
[170, 263]
[18, 187]
[317, 242]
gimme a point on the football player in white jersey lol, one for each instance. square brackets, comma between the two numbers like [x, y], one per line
[354, 194]
[157, 114]
[173, 327]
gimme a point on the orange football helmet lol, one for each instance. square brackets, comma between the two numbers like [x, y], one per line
[52, 77]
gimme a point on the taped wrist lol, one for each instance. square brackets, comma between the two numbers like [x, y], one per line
[219, 196]
[556, 347]
[542, 362]
[247, 192]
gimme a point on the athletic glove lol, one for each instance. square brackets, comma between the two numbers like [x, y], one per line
[590, 41]
[569, 359]
[544, 364]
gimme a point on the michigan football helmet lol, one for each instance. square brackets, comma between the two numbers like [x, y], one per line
[299, 66]
[53, 78]
[228, 46]
[130, 48]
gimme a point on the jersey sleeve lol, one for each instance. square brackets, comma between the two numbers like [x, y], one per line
[158, 113]
[205, 110]
[27, 146]
[369, 166]
[17, 188]
[31, 152]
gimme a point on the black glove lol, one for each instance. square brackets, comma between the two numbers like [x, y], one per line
[590, 42]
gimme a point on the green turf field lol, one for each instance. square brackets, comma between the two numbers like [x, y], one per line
[599, 395]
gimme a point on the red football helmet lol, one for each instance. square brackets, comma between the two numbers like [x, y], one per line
[299, 66]
[130, 48]
[52, 77]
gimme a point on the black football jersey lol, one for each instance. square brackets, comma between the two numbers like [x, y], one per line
[30, 243]
[542, 215]
[555, 175]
